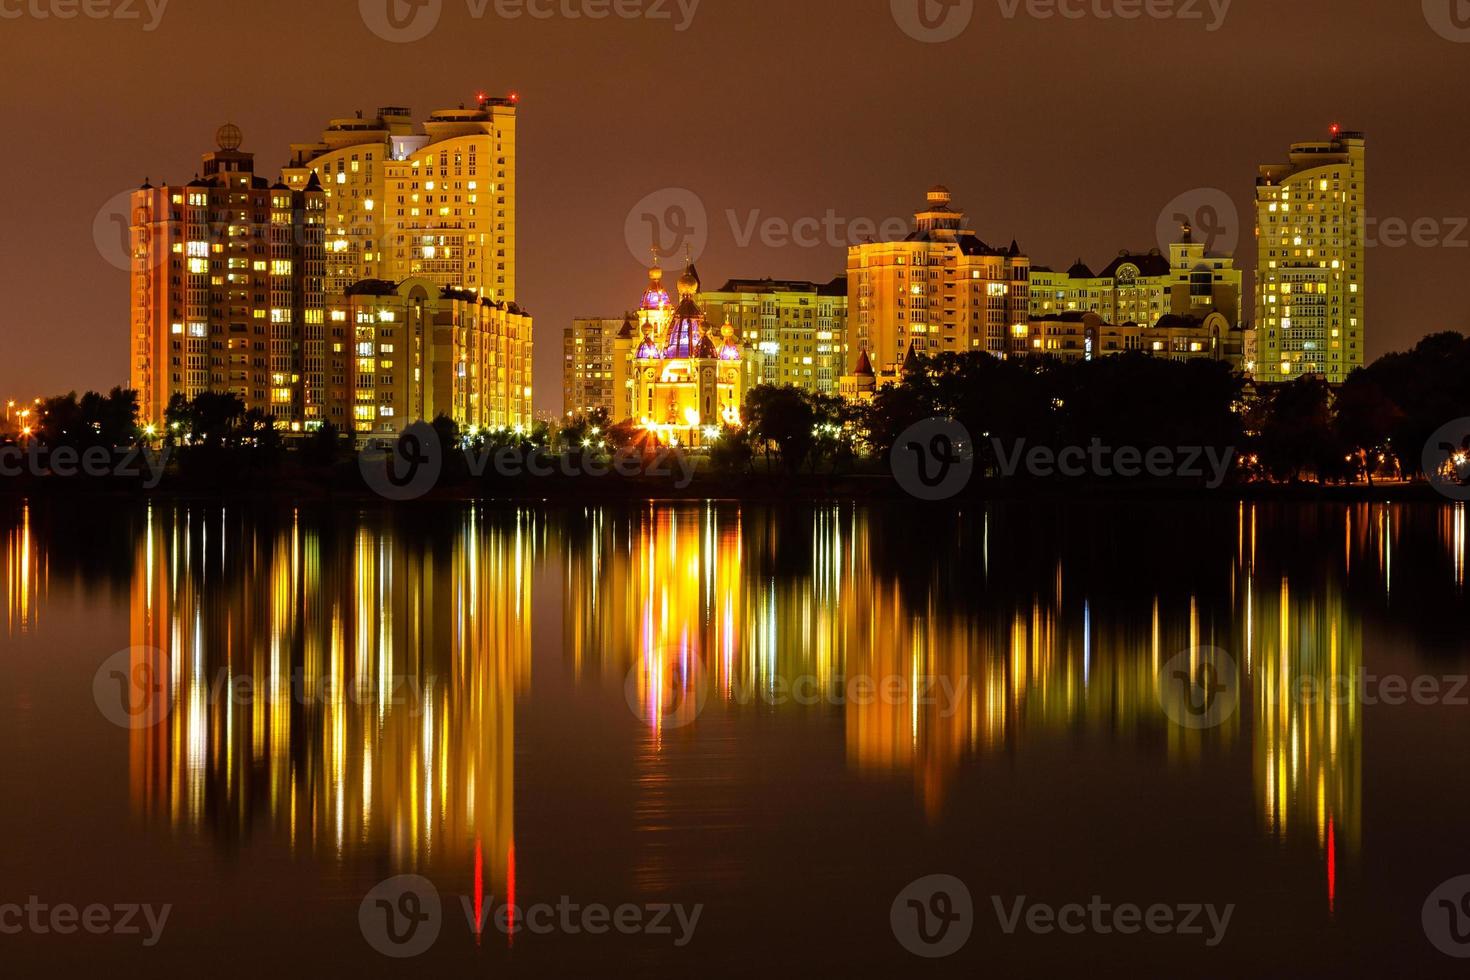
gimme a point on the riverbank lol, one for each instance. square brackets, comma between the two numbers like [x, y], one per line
[347, 483]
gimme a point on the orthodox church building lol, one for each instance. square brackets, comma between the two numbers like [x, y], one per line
[687, 382]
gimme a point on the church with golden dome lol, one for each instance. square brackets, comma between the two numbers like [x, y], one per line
[688, 383]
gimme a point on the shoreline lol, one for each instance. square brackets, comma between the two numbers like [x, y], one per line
[848, 488]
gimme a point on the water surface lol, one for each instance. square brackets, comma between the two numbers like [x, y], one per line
[661, 704]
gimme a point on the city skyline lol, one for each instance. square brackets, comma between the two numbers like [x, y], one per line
[575, 256]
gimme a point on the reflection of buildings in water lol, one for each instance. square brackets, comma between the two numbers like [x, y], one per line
[25, 577]
[1307, 679]
[709, 596]
[1454, 535]
[1304, 653]
[376, 678]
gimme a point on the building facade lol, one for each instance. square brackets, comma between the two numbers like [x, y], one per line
[798, 327]
[437, 204]
[226, 286]
[1144, 287]
[1085, 336]
[940, 289]
[233, 277]
[409, 351]
[596, 354]
[1311, 272]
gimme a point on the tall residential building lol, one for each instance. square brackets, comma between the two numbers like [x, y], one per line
[1310, 278]
[408, 351]
[438, 204]
[1144, 287]
[799, 328]
[940, 289]
[596, 354]
[226, 287]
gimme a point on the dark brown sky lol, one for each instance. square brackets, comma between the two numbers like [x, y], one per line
[1069, 135]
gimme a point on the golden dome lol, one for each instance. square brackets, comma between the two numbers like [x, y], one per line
[689, 282]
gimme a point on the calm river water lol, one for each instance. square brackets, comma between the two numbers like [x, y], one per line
[716, 739]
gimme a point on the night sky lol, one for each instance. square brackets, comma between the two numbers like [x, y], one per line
[1069, 135]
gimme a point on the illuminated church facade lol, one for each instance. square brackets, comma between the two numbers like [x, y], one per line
[687, 384]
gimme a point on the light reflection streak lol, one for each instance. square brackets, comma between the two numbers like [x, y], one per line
[381, 676]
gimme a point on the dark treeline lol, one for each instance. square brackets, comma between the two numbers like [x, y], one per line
[1373, 427]
[1376, 425]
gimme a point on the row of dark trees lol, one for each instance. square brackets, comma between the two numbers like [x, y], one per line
[1374, 425]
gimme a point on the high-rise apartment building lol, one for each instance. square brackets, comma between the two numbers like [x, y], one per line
[234, 278]
[439, 204]
[1144, 287]
[798, 327]
[1310, 277]
[940, 289]
[226, 286]
[408, 351]
[596, 355]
